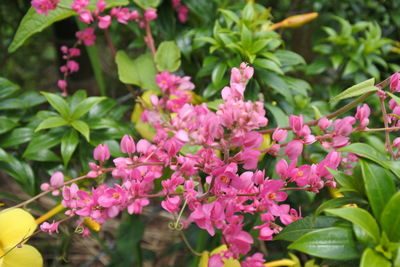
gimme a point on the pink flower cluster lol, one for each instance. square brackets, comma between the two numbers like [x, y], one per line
[218, 180]
[44, 6]
[182, 10]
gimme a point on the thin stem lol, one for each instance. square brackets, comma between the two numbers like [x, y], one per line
[149, 39]
[390, 129]
[183, 236]
[386, 123]
[180, 214]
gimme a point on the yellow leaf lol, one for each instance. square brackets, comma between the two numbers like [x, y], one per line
[279, 263]
[204, 259]
[293, 21]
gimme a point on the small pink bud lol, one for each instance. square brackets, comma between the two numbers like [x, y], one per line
[127, 144]
[72, 66]
[62, 84]
[44, 187]
[309, 139]
[282, 168]
[236, 76]
[64, 49]
[57, 179]
[381, 94]
[101, 153]
[134, 15]
[324, 123]
[294, 149]
[279, 135]
[150, 14]
[101, 6]
[395, 82]
[296, 123]
[104, 22]
[248, 72]
[74, 52]
[86, 17]
[143, 146]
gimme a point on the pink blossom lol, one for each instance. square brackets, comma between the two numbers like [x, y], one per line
[122, 14]
[101, 153]
[104, 21]
[44, 6]
[282, 168]
[362, 115]
[72, 66]
[74, 52]
[344, 126]
[249, 158]
[171, 204]
[395, 82]
[288, 215]
[257, 260]
[215, 261]
[279, 135]
[86, 16]
[207, 214]
[324, 123]
[57, 179]
[79, 5]
[127, 144]
[183, 13]
[293, 149]
[296, 123]
[150, 14]
[101, 6]
[49, 227]
[86, 36]
[62, 84]
[396, 142]
[136, 207]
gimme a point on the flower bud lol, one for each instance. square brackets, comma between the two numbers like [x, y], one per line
[294, 149]
[282, 168]
[104, 22]
[396, 142]
[127, 144]
[296, 123]
[395, 82]
[150, 14]
[279, 135]
[44, 187]
[101, 153]
[57, 179]
[324, 123]
[62, 84]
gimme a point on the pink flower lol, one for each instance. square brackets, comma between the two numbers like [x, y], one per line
[296, 123]
[57, 179]
[288, 216]
[62, 84]
[122, 14]
[86, 36]
[362, 115]
[279, 135]
[101, 6]
[396, 142]
[282, 168]
[49, 227]
[293, 149]
[136, 207]
[171, 204]
[249, 158]
[215, 261]
[101, 153]
[127, 144]
[150, 14]
[74, 52]
[324, 123]
[344, 126]
[44, 6]
[72, 66]
[207, 214]
[257, 260]
[79, 5]
[86, 16]
[104, 22]
[182, 13]
[395, 82]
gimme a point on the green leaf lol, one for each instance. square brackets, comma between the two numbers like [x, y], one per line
[350, 68]
[51, 122]
[268, 64]
[218, 73]
[33, 22]
[371, 258]
[140, 72]
[335, 203]
[19, 170]
[42, 142]
[146, 4]
[6, 124]
[82, 127]
[168, 56]
[330, 243]
[246, 37]
[390, 218]
[58, 103]
[16, 137]
[44, 155]
[83, 107]
[289, 58]
[356, 90]
[230, 15]
[303, 226]
[379, 185]
[360, 217]
[394, 97]
[69, 143]
[7, 88]
[347, 182]
[280, 117]
[248, 11]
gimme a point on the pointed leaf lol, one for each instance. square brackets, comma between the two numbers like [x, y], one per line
[7, 88]
[335, 203]
[356, 90]
[390, 218]
[330, 243]
[371, 258]
[69, 143]
[42, 141]
[379, 185]
[268, 64]
[58, 103]
[51, 122]
[83, 107]
[360, 217]
[82, 127]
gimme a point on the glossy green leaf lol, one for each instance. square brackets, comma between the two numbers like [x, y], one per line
[248, 11]
[42, 141]
[168, 56]
[146, 4]
[16, 137]
[33, 22]
[218, 73]
[44, 155]
[356, 90]
[360, 217]
[230, 15]
[303, 226]
[348, 182]
[335, 203]
[268, 64]
[7, 88]
[82, 127]
[19, 170]
[390, 218]
[246, 37]
[51, 122]
[83, 107]
[329, 243]
[371, 258]
[58, 103]
[379, 185]
[6, 124]
[69, 143]
[140, 72]
[289, 58]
